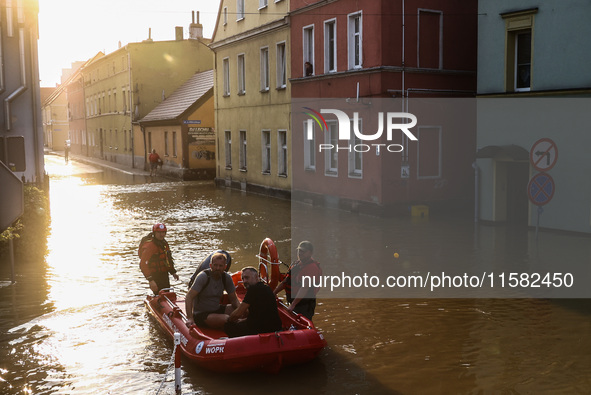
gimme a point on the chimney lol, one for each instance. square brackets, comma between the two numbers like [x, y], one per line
[195, 29]
[178, 33]
[149, 40]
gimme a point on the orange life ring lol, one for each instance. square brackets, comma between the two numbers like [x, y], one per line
[268, 256]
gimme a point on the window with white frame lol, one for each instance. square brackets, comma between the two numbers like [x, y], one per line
[523, 60]
[330, 46]
[174, 150]
[266, 151]
[228, 149]
[309, 145]
[430, 39]
[429, 152]
[262, 4]
[226, 70]
[308, 50]
[356, 154]
[331, 156]
[355, 41]
[281, 66]
[239, 10]
[282, 153]
[242, 153]
[264, 69]
[241, 75]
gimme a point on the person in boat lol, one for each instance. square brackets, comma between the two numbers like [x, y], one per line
[203, 299]
[259, 307]
[156, 259]
[304, 300]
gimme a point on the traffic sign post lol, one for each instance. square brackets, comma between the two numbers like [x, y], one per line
[540, 191]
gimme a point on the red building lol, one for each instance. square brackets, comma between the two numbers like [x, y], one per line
[388, 56]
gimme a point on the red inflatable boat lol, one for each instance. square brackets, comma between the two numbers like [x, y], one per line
[298, 342]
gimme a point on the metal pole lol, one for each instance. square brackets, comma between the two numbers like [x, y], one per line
[11, 257]
[177, 362]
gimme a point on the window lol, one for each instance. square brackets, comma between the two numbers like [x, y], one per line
[281, 66]
[150, 147]
[226, 68]
[124, 102]
[242, 155]
[264, 69]
[124, 140]
[355, 155]
[522, 61]
[241, 75]
[115, 109]
[174, 151]
[519, 27]
[430, 40]
[429, 152]
[282, 153]
[228, 149]
[308, 47]
[354, 41]
[239, 10]
[331, 156]
[131, 140]
[309, 145]
[266, 151]
[166, 143]
[330, 46]
[225, 16]
[262, 4]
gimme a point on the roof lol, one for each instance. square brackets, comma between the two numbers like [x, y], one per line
[183, 98]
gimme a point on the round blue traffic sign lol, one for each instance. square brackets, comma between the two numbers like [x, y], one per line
[540, 189]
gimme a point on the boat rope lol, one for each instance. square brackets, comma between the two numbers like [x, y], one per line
[167, 369]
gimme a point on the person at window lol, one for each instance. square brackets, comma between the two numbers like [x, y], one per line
[258, 311]
[308, 68]
[304, 300]
[156, 259]
[202, 303]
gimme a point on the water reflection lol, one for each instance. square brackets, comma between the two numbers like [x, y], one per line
[76, 323]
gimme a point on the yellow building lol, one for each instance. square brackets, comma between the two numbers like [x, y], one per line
[54, 112]
[252, 96]
[181, 129]
[124, 86]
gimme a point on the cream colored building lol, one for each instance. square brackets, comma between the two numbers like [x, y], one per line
[252, 96]
[125, 85]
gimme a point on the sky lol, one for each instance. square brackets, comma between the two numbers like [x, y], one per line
[76, 30]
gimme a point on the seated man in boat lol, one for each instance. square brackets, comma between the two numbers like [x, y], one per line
[203, 299]
[304, 300]
[259, 306]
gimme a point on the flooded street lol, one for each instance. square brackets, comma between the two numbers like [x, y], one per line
[76, 323]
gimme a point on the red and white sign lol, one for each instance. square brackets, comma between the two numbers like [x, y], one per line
[543, 154]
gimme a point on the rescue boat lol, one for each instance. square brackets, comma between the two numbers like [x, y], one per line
[298, 341]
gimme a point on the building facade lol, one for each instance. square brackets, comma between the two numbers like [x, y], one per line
[368, 54]
[252, 96]
[533, 119]
[124, 86]
[181, 129]
[21, 130]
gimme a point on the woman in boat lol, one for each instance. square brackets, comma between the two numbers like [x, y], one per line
[156, 259]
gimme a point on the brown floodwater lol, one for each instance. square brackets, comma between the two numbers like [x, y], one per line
[76, 324]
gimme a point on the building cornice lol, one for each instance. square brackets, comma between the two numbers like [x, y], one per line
[263, 29]
[310, 7]
[380, 69]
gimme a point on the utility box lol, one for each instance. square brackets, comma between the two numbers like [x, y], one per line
[419, 211]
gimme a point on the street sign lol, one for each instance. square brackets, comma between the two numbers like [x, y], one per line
[540, 189]
[12, 202]
[543, 154]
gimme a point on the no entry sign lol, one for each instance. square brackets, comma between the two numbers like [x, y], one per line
[543, 154]
[541, 189]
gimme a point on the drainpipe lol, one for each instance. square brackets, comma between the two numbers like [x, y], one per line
[476, 189]
[130, 99]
